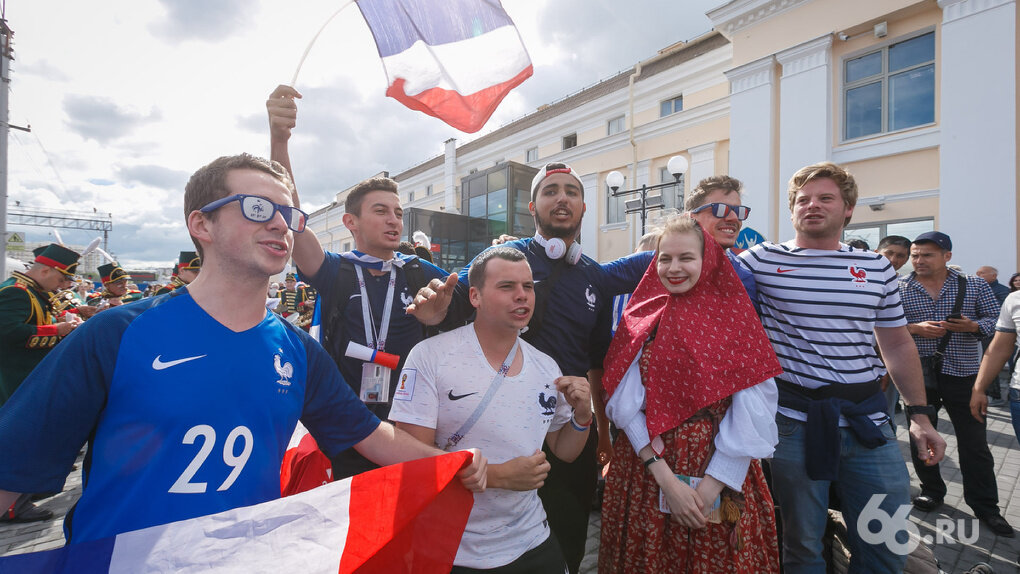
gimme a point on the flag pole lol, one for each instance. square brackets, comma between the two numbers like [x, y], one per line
[293, 82]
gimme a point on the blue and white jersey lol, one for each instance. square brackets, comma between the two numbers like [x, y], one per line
[572, 311]
[183, 416]
[405, 331]
[820, 308]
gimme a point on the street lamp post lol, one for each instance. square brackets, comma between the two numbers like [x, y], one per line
[677, 165]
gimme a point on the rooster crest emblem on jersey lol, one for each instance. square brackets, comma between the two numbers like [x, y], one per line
[547, 403]
[859, 274]
[590, 297]
[285, 370]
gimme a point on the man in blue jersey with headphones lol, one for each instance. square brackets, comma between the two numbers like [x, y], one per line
[180, 427]
[570, 291]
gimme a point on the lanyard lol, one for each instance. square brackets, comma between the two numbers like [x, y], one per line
[366, 310]
[489, 394]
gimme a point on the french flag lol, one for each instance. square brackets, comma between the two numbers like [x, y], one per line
[404, 518]
[452, 59]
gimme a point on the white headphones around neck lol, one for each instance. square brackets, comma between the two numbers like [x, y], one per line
[556, 248]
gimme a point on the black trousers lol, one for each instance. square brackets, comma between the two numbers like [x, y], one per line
[976, 464]
[545, 558]
[567, 497]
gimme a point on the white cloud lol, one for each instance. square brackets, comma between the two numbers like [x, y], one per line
[126, 98]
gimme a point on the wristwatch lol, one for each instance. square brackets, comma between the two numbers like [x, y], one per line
[920, 410]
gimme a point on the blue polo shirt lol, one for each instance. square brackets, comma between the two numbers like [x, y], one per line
[404, 333]
[573, 308]
[183, 416]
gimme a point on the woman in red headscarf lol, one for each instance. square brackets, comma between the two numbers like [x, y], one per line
[689, 381]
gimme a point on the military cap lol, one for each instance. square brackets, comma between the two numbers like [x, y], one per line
[110, 272]
[189, 260]
[58, 257]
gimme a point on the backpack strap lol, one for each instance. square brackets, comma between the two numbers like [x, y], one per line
[340, 291]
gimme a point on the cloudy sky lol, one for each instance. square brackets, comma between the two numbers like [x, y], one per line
[126, 98]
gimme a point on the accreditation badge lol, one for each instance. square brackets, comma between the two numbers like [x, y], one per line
[375, 383]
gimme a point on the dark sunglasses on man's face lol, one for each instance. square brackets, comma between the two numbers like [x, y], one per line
[721, 210]
[260, 210]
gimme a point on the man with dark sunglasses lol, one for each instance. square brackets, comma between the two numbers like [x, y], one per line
[715, 205]
[180, 427]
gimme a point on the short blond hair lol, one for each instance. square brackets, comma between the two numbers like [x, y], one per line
[826, 169]
[681, 223]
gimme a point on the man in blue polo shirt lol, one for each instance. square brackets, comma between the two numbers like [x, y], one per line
[571, 290]
[362, 292]
[180, 427]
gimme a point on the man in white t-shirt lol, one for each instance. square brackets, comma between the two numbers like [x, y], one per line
[481, 385]
[1004, 344]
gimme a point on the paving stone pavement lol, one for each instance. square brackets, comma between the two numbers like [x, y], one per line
[954, 555]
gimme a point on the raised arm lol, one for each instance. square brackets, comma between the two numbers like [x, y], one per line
[282, 108]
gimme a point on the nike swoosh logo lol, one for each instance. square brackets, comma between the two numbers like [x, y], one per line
[159, 365]
[454, 397]
[781, 270]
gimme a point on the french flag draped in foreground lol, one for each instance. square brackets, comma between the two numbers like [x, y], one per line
[452, 59]
[403, 518]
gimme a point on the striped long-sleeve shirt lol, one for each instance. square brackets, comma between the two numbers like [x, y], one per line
[819, 309]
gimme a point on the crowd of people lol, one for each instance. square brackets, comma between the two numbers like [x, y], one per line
[729, 393]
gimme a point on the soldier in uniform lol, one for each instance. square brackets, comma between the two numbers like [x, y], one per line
[114, 280]
[131, 294]
[291, 298]
[28, 332]
[186, 270]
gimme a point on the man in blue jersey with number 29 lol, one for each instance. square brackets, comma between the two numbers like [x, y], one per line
[184, 426]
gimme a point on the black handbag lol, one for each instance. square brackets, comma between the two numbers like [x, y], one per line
[933, 364]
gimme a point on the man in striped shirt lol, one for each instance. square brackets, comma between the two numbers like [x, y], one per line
[823, 305]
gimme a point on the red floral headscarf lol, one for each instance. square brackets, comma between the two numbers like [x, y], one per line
[708, 344]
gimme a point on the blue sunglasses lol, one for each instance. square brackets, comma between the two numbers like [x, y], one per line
[260, 210]
[721, 210]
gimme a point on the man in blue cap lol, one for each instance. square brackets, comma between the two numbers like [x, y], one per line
[948, 314]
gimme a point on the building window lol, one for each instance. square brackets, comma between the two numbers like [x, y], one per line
[570, 141]
[347, 246]
[410, 196]
[531, 155]
[871, 233]
[672, 196]
[616, 125]
[615, 209]
[890, 89]
[428, 191]
[671, 106]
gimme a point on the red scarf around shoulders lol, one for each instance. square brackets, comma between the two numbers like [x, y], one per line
[709, 343]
